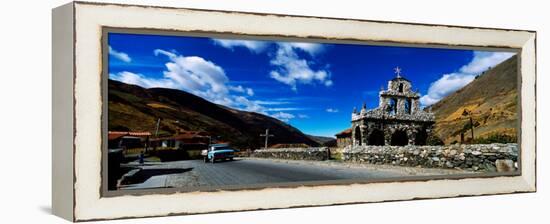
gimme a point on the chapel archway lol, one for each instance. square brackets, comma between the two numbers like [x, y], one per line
[357, 135]
[399, 138]
[376, 137]
[421, 137]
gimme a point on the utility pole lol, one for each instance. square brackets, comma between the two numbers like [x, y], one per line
[157, 128]
[472, 126]
[156, 134]
[266, 135]
[469, 114]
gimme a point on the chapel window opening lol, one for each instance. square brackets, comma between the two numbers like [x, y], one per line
[408, 106]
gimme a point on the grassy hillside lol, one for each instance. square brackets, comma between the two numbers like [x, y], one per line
[137, 109]
[492, 99]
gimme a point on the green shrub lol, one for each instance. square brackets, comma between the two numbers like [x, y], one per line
[496, 138]
[434, 140]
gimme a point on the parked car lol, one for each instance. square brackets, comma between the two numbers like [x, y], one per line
[218, 152]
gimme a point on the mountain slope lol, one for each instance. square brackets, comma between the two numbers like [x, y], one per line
[138, 109]
[321, 139]
[324, 141]
[492, 98]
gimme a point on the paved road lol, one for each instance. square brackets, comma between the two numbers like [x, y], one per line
[196, 173]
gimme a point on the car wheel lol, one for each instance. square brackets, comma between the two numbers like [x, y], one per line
[231, 159]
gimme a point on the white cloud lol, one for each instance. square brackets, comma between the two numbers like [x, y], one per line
[332, 110]
[283, 116]
[452, 82]
[257, 46]
[241, 89]
[447, 84]
[252, 45]
[244, 103]
[303, 116]
[310, 48]
[197, 76]
[485, 60]
[291, 70]
[119, 55]
[249, 91]
[141, 80]
[205, 79]
[263, 102]
[285, 109]
[238, 88]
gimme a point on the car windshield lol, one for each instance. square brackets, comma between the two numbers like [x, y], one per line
[221, 148]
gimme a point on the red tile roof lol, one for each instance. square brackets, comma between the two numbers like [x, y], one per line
[187, 135]
[344, 133]
[117, 134]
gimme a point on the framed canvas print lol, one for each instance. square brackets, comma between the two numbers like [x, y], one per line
[199, 111]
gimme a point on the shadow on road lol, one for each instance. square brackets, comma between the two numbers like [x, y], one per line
[228, 161]
[144, 174]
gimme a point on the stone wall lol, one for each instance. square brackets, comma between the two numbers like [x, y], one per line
[487, 157]
[343, 142]
[320, 153]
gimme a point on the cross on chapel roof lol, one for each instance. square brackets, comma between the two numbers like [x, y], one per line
[397, 71]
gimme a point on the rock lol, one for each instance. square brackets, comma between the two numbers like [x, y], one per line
[320, 153]
[505, 165]
[480, 157]
[490, 167]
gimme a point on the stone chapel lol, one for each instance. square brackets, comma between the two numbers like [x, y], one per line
[398, 119]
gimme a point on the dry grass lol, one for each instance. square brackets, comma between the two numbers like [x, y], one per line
[492, 99]
[160, 105]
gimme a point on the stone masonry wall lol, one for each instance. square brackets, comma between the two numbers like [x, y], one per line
[321, 153]
[486, 157]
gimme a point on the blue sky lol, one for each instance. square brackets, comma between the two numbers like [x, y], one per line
[311, 86]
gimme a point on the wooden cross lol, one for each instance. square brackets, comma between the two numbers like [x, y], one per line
[266, 135]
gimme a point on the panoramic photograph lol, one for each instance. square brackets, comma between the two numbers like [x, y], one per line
[192, 112]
